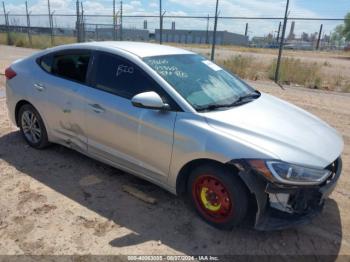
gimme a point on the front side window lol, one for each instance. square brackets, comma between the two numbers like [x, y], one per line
[72, 66]
[201, 82]
[121, 77]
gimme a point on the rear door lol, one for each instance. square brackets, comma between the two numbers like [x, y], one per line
[65, 106]
[136, 139]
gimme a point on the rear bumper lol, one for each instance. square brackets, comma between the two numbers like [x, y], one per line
[301, 206]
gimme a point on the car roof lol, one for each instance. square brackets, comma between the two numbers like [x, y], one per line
[137, 48]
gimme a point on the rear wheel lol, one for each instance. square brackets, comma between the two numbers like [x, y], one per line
[32, 127]
[218, 195]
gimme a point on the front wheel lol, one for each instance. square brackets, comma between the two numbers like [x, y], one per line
[218, 196]
[32, 127]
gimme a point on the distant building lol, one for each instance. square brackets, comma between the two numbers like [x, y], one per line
[129, 34]
[264, 42]
[201, 37]
[298, 44]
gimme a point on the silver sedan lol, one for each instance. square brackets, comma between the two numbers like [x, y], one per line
[182, 122]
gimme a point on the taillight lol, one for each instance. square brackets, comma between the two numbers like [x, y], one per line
[10, 73]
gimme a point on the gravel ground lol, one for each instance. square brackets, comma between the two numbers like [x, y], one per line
[57, 201]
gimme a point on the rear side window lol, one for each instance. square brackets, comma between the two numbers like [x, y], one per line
[119, 76]
[71, 66]
[46, 63]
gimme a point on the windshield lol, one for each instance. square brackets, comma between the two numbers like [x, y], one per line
[202, 83]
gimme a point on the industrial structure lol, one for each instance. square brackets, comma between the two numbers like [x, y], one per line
[201, 37]
[107, 33]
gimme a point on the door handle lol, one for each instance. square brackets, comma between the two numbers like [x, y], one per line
[97, 108]
[39, 87]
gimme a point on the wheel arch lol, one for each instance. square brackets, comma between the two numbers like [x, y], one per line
[18, 106]
[183, 175]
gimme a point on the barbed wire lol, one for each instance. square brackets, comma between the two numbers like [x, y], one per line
[190, 16]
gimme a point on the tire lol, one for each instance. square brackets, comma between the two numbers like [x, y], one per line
[218, 195]
[32, 127]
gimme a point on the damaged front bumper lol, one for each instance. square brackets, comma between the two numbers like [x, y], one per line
[281, 206]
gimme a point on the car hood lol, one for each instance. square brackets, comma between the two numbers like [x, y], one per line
[285, 131]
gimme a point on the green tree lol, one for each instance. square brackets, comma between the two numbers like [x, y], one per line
[338, 35]
[342, 32]
[346, 27]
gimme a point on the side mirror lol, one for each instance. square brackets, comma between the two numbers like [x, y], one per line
[150, 100]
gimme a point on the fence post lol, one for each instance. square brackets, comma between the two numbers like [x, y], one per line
[28, 25]
[279, 32]
[214, 33]
[121, 21]
[207, 32]
[246, 29]
[50, 22]
[319, 37]
[7, 24]
[96, 32]
[82, 23]
[77, 26]
[160, 23]
[114, 21]
[281, 43]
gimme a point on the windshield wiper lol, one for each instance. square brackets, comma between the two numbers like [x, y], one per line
[211, 107]
[241, 100]
[246, 98]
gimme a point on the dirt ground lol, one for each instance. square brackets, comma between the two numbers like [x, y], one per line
[57, 201]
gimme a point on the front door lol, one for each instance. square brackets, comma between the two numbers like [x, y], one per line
[136, 139]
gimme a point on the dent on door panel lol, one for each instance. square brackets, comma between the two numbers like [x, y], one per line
[155, 140]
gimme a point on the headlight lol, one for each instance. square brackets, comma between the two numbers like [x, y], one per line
[285, 173]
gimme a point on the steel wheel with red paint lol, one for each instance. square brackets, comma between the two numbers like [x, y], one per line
[212, 198]
[218, 195]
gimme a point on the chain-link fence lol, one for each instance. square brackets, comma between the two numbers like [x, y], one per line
[210, 31]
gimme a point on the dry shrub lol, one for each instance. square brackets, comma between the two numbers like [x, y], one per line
[38, 41]
[298, 72]
[340, 83]
[247, 67]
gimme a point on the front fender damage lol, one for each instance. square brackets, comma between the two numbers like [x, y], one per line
[280, 207]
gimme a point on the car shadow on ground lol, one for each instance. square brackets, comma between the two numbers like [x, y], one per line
[170, 221]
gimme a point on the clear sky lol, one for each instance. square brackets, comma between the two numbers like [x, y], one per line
[256, 8]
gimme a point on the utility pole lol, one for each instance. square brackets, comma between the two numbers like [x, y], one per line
[207, 33]
[214, 33]
[319, 37]
[279, 32]
[28, 25]
[246, 29]
[281, 43]
[78, 22]
[50, 22]
[6, 24]
[121, 21]
[114, 23]
[160, 23]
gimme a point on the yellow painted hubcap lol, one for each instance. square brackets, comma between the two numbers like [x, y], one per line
[207, 203]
